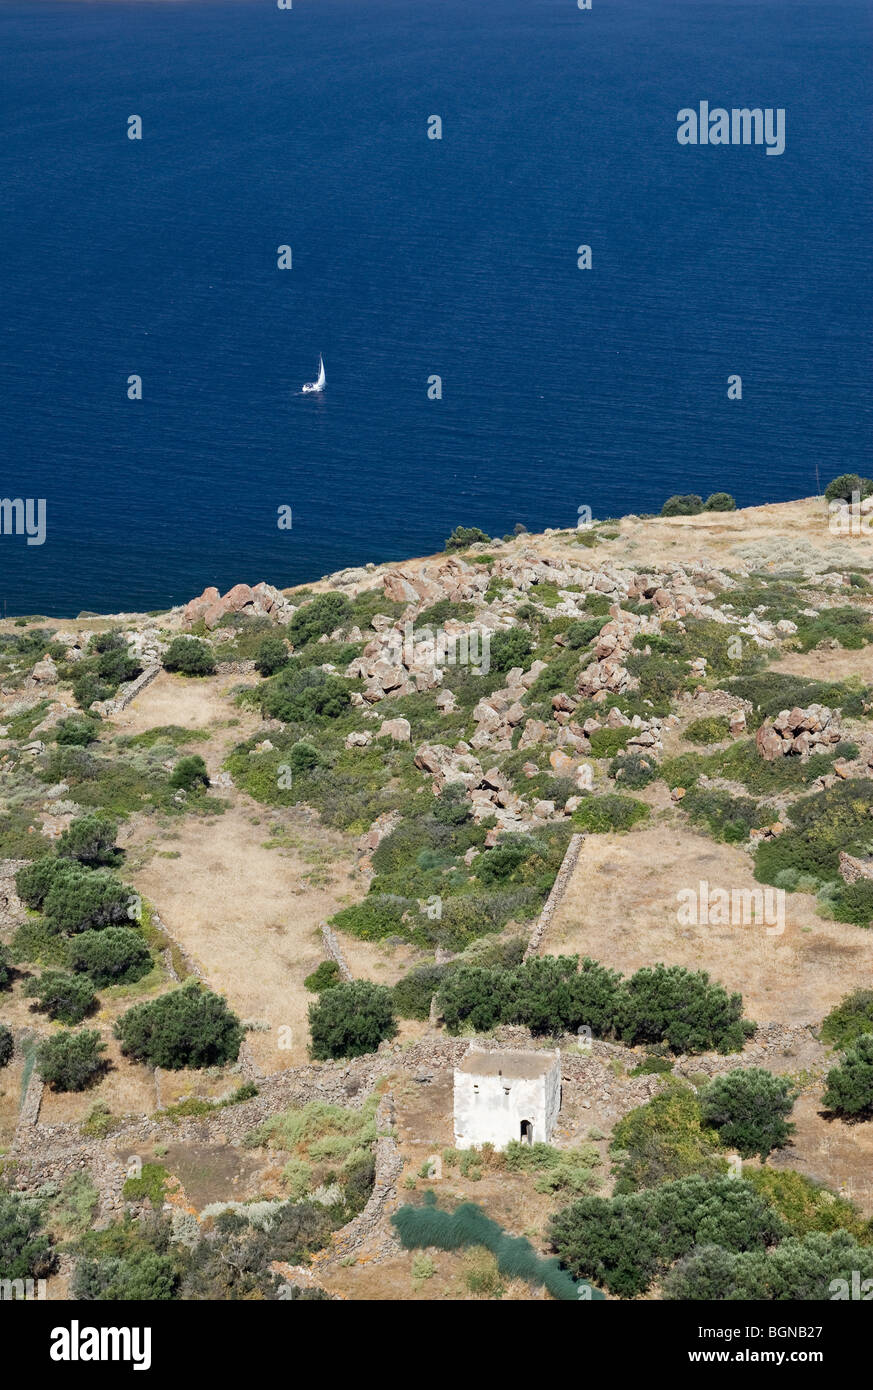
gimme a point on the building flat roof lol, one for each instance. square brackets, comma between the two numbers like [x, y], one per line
[517, 1066]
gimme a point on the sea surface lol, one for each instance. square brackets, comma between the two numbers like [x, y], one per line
[413, 258]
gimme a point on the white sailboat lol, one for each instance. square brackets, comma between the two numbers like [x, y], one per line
[318, 384]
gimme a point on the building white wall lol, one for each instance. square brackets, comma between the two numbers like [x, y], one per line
[490, 1109]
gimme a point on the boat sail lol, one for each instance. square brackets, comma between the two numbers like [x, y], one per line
[318, 384]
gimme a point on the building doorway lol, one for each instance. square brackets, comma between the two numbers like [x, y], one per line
[527, 1132]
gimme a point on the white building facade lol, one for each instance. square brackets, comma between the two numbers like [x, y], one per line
[501, 1096]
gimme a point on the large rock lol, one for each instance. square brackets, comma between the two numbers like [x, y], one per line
[234, 601]
[45, 672]
[199, 607]
[397, 729]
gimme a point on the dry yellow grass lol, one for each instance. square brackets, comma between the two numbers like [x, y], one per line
[621, 908]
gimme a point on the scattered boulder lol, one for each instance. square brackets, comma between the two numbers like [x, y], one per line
[799, 732]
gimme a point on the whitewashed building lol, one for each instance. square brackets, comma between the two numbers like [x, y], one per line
[501, 1096]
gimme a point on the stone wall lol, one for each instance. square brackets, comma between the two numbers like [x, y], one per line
[129, 692]
[234, 668]
[334, 950]
[12, 910]
[559, 887]
[371, 1222]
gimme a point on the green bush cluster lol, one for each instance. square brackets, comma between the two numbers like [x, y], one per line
[187, 1027]
[325, 976]
[65, 997]
[820, 826]
[715, 728]
[190, 656]
[634, 770]
[749, 1107]
[628, 1241]
[554, 994]
[609, 811]
[725, 816]
[71, 1061]
[350, 1020]
[851, 1017]
[849, 1088]
[464, 536]
[318, 618]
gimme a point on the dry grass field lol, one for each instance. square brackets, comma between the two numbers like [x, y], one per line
[621, 908]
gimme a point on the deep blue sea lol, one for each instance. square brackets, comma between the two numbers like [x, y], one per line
[413, 257]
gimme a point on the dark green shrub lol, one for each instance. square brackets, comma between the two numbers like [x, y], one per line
[667, 1003]
[715, 728]
[83, 898]
[554, 994]
[659, 678]
[65, 997]
[87, 688]
[70, 1061]
[302, 757]
[462, 536]
[607, 743]
[719, 502]
[188, 1027]
[796, 1270]
[820, 826]
[750, 1107]
[634, 770]
[413, 994]
[7, 1045]
[5, 968]
[626, 1241]
[305, 695]
[76, 730]
[503, 863]
[682, 504]
[190, 656]
[851, 1017]
[190, 773]
[272, 656]
[854, 903]
[848, 627]
[850, 1085]
[598, 605]
[773, 691]
[439, 613]
[25, 1250]
[321, 616]
[116, 955]
[599, 814]
[841, 489]
[126, 1262]
[351, 1020]
[579, 634]
[453, 807]
[377, 916]
[325, 976]
[549, 994]
[473, 997]
[510, 648]
[90, 839]
[726, 817]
